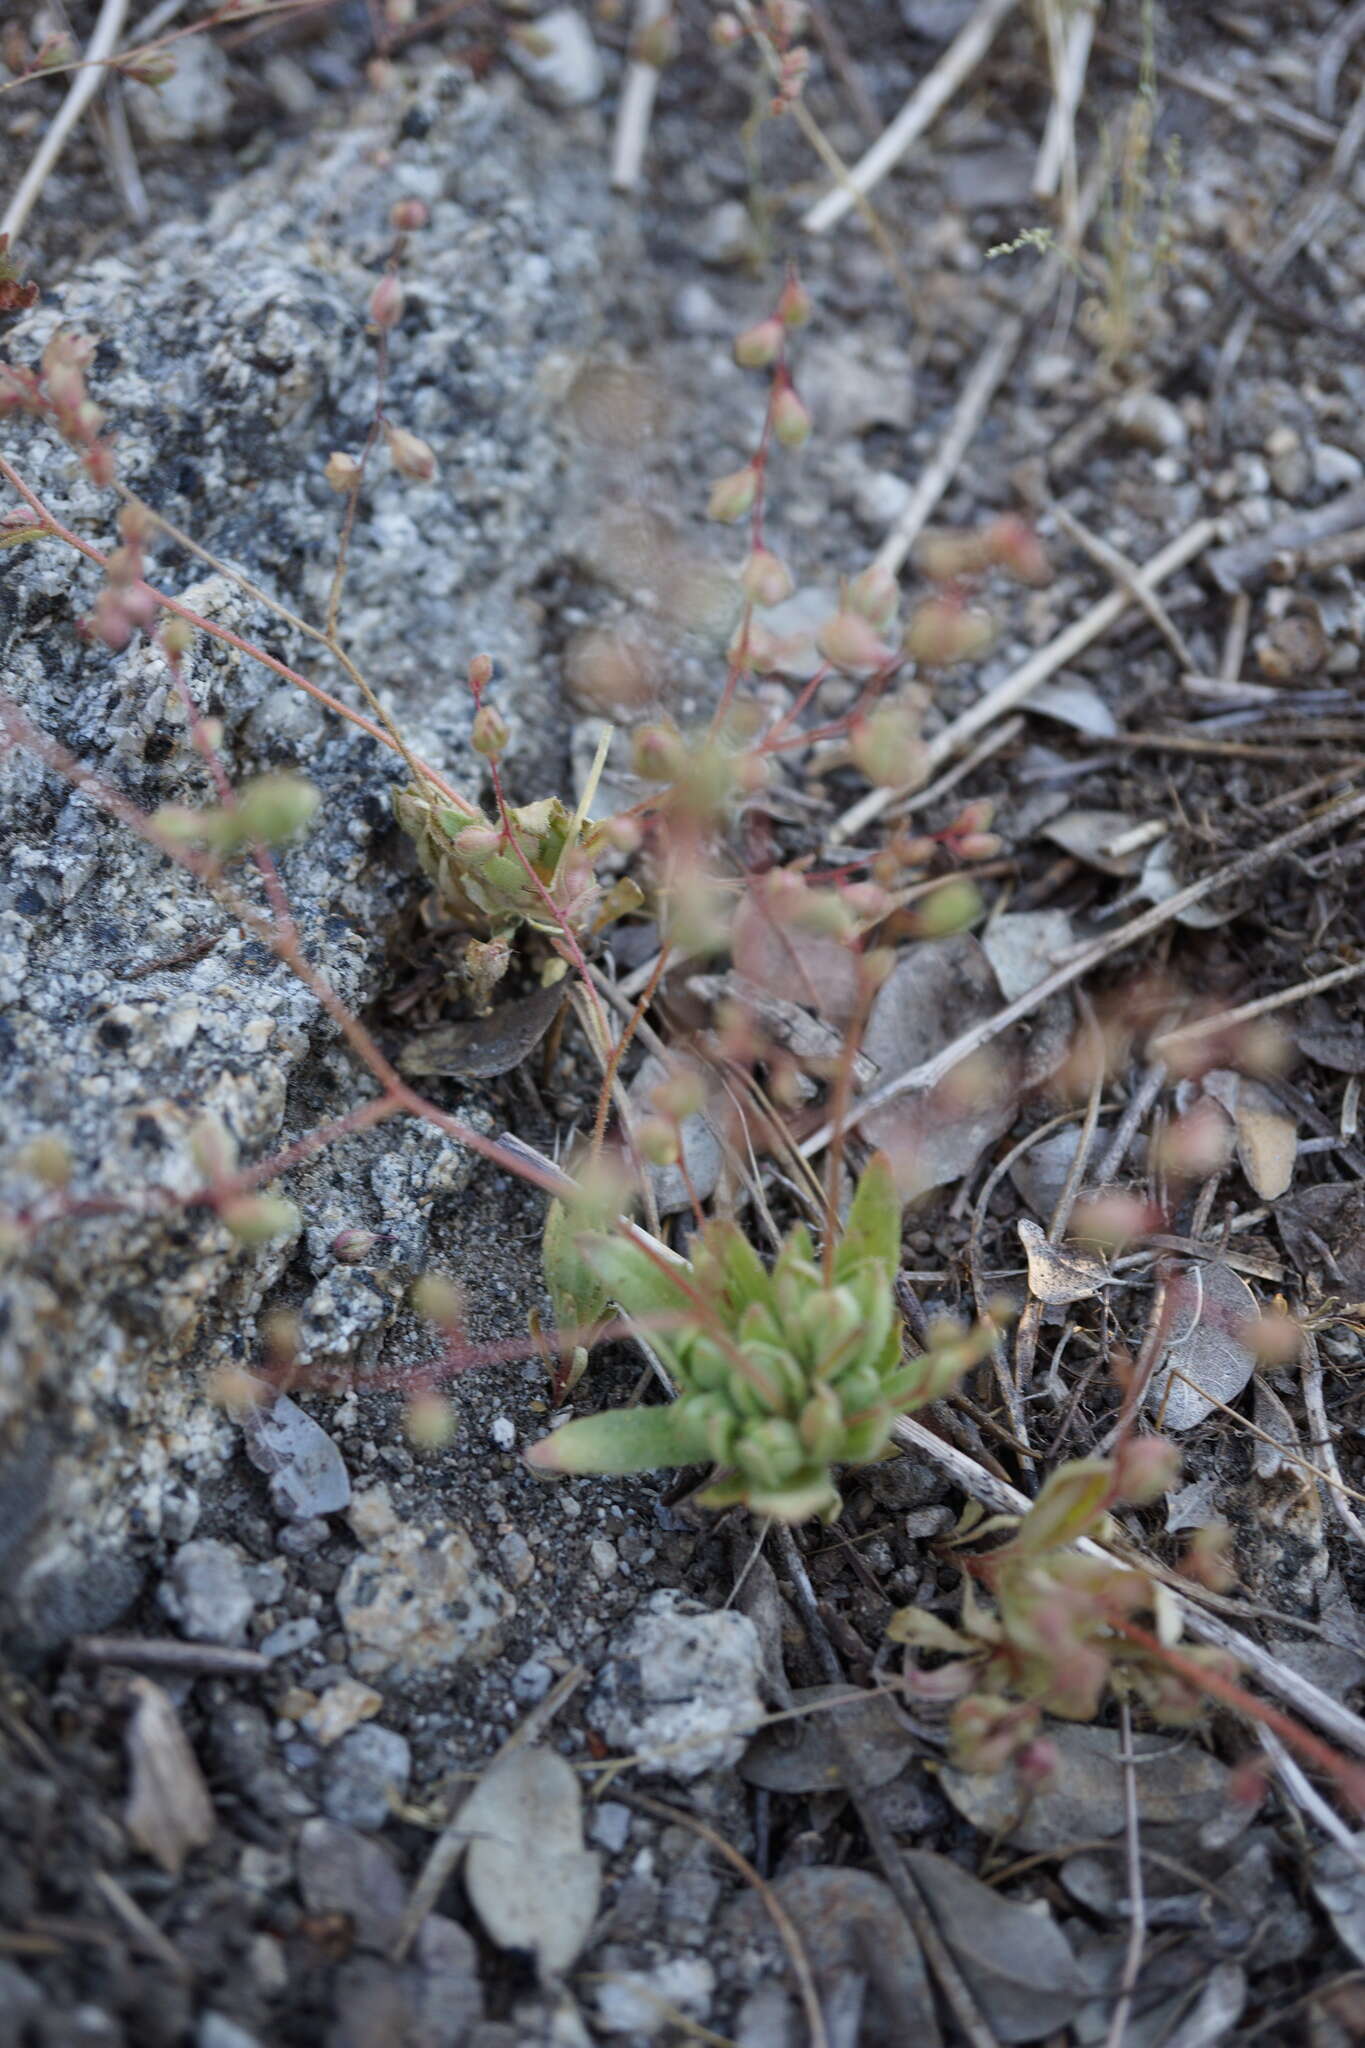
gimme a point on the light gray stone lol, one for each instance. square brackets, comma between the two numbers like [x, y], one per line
[366, 1766]
[680, 1688]
[558, 57]
[232, 357]
[206, 1593]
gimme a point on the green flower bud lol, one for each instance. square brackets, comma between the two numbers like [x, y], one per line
[256, 1219]
[273, 808]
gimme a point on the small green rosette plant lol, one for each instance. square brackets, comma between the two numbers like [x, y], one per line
[782, 1372]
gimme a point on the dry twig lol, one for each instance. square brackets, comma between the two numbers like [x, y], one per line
[84, 85]
[1039, 666]
[636, 104]
[927, 101]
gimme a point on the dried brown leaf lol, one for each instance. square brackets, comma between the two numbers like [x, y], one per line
[1211, 1308]
[168, 1810]
[1267, 1137]
[1059, 1273]
[484, 1046]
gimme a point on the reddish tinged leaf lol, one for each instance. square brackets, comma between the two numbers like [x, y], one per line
[16, 296]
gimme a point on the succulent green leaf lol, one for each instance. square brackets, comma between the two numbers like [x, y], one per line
[1068, 1507]
[873, 1230]
[641, 1285]
[576, 1294]
[620, 1440]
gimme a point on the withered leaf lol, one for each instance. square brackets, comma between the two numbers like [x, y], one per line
[800, 1756]
[1211, 1310]
[1089, 835]
[1017, 1962]
[530, 1880]
[850, 1927]
[1083, 1800]
[701, 1147]
[1267, 1137]
[481, 1047]
[1059, 1273]
[168, 1811]
[1333, 1041]
[306, 1471]
[1024, 947]
[801, 966]
[937, 990]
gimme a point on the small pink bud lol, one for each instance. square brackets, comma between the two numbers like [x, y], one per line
[658, 753]
[794, 304]
[430, 1421]
[406, 216]
[352, 1247]
[1014, 546]
[980, 846]
[342, 472]
[657, 44]
[478, 843]
[54, 50]
[624, 834]
[874, 595]
[411, 456]
[110, 621]
[136, 525]
[177, 637]
[386, 302]
[1145, 1467]
[1208, 1561]
[791, 421]
[886, 746]
[732, 497]
[977, 816]
[681, 1094]
[942, 630]
[822, 913]
[867, 902]
[100, 466]
[765, 578]
[850, 643]
[489, 735]
[945, 556]
[727, 31]
[759, 346]
[156, 68]
[438, 1300]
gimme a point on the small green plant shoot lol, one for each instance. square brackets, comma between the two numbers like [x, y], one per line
[782, 1373]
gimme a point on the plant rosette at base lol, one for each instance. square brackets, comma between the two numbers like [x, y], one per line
[782, 1374]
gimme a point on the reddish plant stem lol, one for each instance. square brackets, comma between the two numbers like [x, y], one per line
[22, 732]
[772, 737]
[871, 690]
[54, 527]
[647, 995]
[353, 495]
[1349, 1778]
[759, 464]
